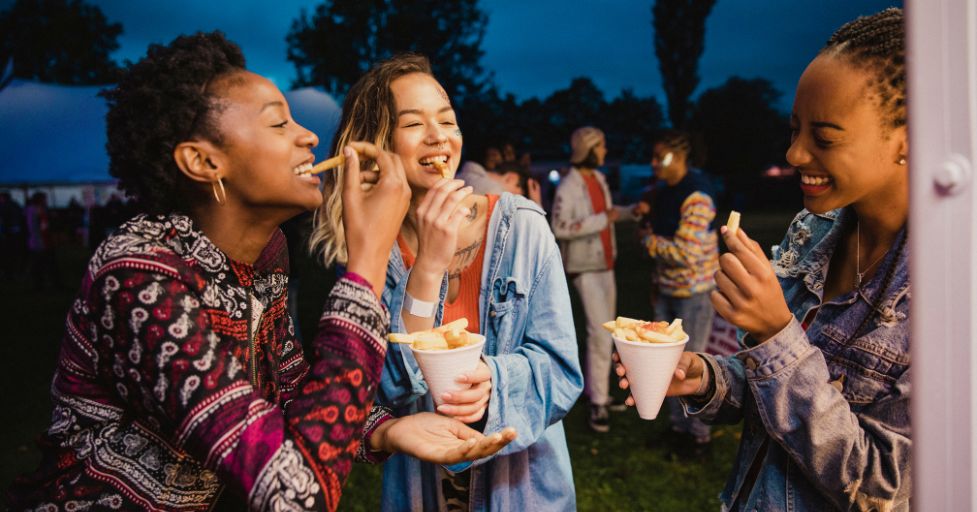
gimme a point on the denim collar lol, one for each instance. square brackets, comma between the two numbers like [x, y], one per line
[814, 267]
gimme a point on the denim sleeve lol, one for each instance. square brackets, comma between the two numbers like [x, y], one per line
[858, 460]
[536, 384]
[726, 403]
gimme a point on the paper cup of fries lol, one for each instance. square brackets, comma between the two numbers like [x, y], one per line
[649, 358]
[441, 367]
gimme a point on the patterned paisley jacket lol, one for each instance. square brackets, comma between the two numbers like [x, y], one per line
[180, 375]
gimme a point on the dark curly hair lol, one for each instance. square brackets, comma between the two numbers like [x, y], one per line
[165, 99]
[877, 43]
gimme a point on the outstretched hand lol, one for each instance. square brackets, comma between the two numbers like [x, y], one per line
[747, 292]
[437, 439]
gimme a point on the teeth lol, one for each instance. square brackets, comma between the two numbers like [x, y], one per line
[815, 180]
[430, 160]
[302, 169]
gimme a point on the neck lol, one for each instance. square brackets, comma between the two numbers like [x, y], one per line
[679, 175]
[241, 233]
[882, 215]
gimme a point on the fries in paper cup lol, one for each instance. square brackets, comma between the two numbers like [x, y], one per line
[649, 352]
[444, 353]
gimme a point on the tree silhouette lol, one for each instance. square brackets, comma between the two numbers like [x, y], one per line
[59, 41]
[680, 27]
[336, 45]
[742, 128]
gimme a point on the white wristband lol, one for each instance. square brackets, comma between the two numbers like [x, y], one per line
[419, 308]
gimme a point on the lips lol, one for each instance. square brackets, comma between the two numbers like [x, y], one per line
[815, 184]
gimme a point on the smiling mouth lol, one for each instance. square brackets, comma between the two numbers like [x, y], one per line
[434, 161]
[302, 169]
[815, 181]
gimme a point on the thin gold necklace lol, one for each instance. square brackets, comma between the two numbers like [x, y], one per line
[859, 274]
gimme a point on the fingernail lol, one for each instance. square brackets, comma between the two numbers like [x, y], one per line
[348, 152]
[723, 229]
[446, 396]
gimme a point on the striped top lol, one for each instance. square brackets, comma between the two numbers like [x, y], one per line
[687, 261]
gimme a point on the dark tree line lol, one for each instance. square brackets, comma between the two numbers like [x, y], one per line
[59, 41]
[70, 42]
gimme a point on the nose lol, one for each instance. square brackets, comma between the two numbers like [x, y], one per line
[797, 153]
[306, 138]
[436, 134]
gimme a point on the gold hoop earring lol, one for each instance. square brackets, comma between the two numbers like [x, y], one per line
[901, 161]
[222, 197]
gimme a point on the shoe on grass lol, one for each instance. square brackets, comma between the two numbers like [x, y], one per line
[600, 419]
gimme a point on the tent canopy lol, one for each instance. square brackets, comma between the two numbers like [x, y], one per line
[55, 134]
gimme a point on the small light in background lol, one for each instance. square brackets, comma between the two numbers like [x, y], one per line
[554, 176]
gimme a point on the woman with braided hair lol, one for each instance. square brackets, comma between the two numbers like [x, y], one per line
[180, 378]
[822, 379]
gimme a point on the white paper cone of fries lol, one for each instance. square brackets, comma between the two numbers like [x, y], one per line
[649, 368]
[441, 368]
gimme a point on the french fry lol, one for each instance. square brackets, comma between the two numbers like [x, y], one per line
[733, 224]
[630, 329]
[399, 337]
[441, 167]
[448, 336]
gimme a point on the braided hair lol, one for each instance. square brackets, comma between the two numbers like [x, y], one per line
[164, 99]
[877, 43]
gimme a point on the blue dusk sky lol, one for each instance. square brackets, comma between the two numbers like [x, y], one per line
[535, 47]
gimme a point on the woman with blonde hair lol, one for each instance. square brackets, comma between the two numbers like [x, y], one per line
[489, 259]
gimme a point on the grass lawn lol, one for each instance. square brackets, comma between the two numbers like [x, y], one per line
[629, 468]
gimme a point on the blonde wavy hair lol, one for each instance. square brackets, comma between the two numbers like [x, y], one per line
[369, 114]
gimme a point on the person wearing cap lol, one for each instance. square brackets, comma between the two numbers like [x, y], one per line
[583, 218]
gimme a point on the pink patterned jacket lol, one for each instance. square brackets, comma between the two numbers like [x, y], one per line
[180, 376]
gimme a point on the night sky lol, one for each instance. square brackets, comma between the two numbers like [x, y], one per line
[535, 47]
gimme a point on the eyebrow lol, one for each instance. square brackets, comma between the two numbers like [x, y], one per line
[825, 124]
[418, 112]
[271, 104]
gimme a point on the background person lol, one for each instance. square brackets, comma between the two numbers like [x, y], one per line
[683, 244]
[583, 222]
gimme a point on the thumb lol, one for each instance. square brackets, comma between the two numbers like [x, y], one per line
[682, 370]
[351, 171]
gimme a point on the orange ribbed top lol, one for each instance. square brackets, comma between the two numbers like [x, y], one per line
[465, 304]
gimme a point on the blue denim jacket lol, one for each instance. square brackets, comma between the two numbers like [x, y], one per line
[830, 406]
[531, 349]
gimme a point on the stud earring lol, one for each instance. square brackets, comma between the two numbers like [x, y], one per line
[901, 161]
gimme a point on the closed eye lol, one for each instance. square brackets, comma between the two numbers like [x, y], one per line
[281, 124]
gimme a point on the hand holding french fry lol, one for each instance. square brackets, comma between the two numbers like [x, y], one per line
[747, 292]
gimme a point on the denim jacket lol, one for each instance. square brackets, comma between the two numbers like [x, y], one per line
[826, 408]
[531, 350]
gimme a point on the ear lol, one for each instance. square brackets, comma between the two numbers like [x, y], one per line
[201, 161]
[900, 142]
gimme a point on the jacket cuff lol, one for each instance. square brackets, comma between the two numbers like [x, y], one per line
[710, 404]
[780, 351]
